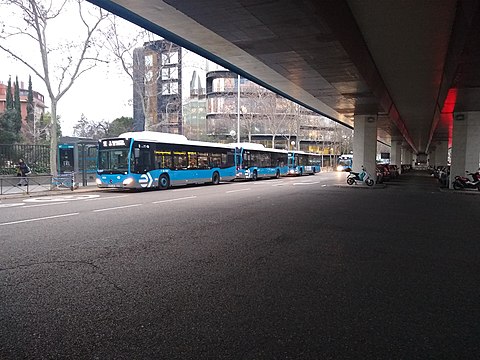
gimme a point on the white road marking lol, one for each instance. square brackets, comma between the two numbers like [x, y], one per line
[107, 198]
[171, 200]
[61, 198]
[47, 204]
[232, 191]
[11, 205]
[117, 207]
[307, 183]
[37, 219]
[184, 189]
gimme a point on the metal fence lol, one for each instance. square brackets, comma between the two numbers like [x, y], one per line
[10, 185]
[37, 157]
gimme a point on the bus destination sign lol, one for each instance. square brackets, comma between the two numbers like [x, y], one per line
[114, 143]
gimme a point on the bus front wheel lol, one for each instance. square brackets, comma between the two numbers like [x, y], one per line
[215, 178]
[163, 182]
[255, 175]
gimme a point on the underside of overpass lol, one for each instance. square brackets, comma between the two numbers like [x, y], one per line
[410, 63]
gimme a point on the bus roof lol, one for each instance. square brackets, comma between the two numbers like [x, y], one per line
[255, 146]
[303, 152]
[167, 138]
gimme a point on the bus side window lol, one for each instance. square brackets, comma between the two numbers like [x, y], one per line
[215, 160]
[163, 159]
[180, 160]
[202, 160]
[192, 160]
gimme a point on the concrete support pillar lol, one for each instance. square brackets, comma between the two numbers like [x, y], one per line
[431, 157]
[407, 157]
[365, 143]
[465, 143]
[441, 153]
[396, 154]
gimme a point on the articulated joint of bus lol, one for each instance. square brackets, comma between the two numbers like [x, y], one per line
[242, 174]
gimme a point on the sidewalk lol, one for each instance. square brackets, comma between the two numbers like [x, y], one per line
[16, 192]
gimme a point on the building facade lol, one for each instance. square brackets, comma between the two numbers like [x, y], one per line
[157, 87]
[265, 117]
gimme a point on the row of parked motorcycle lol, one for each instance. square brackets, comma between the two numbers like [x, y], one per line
[384, 172]
[387, 172]
[471, 180]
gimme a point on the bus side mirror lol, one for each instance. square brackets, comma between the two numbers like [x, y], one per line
[136, 152]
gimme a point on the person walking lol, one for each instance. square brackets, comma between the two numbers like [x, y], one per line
[22, 171]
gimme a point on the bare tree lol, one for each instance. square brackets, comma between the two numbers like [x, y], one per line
[61, 64]
[274, 111]
[293, 123]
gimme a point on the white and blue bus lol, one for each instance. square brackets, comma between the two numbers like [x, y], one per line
[254, 161]
[137, 160]
[344, 162]
[302, 163]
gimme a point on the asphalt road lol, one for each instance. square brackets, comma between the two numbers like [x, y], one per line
[295, 268]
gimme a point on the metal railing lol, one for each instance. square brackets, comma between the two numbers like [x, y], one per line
[10, 185]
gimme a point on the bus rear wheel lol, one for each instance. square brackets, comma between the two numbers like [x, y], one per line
[216, 178]
[163, 182]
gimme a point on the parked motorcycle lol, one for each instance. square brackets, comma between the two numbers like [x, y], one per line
[463, 182]
[364, 176]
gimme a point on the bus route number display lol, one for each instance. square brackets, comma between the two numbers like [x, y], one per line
[114, 143]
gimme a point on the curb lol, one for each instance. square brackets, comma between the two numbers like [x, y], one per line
[361, 186]
[49, 193]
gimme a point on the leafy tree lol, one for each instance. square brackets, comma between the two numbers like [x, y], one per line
[120, 125]
[74, 57]
[30, 112]
[9, 96]
[9, 130]
[8, 135]
[18, 108]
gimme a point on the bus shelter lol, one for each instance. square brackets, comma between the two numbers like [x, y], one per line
[77, 156]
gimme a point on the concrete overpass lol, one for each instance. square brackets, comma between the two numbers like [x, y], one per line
[397, 71]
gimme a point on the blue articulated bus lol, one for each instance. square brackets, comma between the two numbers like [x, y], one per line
[254, 161]
[345, 163]
[137, 160]
[302, 163]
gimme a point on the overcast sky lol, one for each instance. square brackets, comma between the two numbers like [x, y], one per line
[101, 94]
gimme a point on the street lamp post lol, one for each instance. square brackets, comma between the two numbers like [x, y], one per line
[238, 108]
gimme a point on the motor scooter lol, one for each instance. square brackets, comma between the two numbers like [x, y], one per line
[361, 176]
[463, 182]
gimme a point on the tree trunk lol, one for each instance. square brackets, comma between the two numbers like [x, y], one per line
[53, 139]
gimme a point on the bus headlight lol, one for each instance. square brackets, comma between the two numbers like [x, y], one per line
[98, 181]
[339, 168]
[127, 181]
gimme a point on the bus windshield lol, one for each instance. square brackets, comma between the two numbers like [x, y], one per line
[113, 161]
